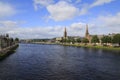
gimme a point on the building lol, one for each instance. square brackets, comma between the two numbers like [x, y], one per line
[87, 35]
[65, 34]
[5, 41]
[59, 39]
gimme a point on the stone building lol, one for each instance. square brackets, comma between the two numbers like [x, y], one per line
[5, 41]
[59, 39]
[65, 34]
[87, 35]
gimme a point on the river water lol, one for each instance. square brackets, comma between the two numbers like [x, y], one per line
[56, 62]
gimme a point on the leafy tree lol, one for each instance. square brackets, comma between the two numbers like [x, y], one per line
[68, 40]
[109, 39]
[95, 39]
[103, 39]
[116, 39]
[78, 40]
[64, 40]
[17, 39]
[106, 39]
[73, 40]
[85, 40]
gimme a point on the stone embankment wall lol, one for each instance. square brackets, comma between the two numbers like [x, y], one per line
[8, 50]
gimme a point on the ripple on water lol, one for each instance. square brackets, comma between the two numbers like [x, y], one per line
[55, 62]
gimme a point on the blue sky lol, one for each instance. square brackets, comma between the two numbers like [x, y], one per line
[47, 18]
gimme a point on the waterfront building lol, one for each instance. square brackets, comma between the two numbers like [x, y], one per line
[65, 37]
[58, 39]
[6, 41]
[3, 41]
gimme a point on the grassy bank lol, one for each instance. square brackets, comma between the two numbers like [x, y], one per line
[87, 46]
[4, 54]
[97, 47]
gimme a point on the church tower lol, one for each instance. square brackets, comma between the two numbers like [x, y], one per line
[87, 35]
[65, 33]
[87, 32]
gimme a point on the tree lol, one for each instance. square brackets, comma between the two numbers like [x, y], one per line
[16, 39]
[85, 40]
[72, 40]
[78, 40]
[68, 40]
[95, 39]
[116, 39]
[64, 40]
[106, 39]
[103, 39]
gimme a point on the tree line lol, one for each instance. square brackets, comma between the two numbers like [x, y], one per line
[104, 40]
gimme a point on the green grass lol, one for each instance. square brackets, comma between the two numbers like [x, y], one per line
[97, 47]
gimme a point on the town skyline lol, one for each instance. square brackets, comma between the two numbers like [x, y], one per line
[46, 19]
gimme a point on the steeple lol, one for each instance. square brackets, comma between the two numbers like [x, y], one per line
[87, 32]
[65, 33]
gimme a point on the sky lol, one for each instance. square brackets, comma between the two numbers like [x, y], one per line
[28, 19]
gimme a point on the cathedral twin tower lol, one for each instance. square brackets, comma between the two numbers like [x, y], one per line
[87, 35]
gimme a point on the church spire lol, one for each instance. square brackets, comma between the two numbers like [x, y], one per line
[87, 29]
[65, 32]
[87, 32]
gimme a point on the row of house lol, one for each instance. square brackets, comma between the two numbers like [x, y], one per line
[6, 41]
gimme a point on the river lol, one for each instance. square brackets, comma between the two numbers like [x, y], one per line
[56, 62]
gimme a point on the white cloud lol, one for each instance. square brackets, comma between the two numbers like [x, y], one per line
[71, 1]
[7, 26]
[101, 25]
[15, 30]
[8, 23]
[42, 3]
[77, 26]
[100, 2]
[83, 10]
[110, 20]
[75, 29]
[86, 8]
[106, 24]
[62, 11]
[6, 9]
[67, 9]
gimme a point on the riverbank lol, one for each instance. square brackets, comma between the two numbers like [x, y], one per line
[81, 45]
[96, 47]
[7, 51]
